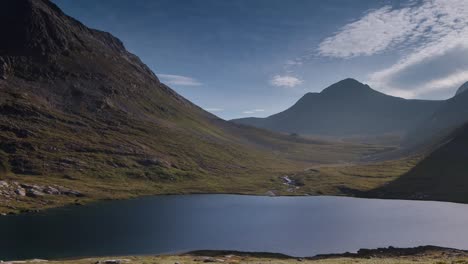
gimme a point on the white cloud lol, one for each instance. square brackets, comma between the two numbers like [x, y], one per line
[179, 80]
[423, 32]
[373, 33]
[295, 62]
[453, 80]
[254, 111]
[214, 109]
[285, 81]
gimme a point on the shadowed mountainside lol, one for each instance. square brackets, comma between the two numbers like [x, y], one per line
[451, 115]
[348, 108]
[442, 175]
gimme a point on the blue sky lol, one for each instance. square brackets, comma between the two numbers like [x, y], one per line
[257, 57]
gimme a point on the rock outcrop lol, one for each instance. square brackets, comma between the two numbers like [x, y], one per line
[13, 190]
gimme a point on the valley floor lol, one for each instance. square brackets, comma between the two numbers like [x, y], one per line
[429, 255]
[30, 193]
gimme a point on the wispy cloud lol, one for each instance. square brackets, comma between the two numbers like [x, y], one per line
[426, 33]
[214, 109]
[285, 81]
[448, 82]
[295, 62]
[179, 80]
[375, 32]
[254, 111]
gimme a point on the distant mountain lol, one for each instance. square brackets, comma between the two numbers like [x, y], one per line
[78, 109]
[348, 108]
[450, 115]
[442, 175]
[462, 88]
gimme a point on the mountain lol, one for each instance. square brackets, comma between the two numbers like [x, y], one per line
[462, 89]
[449, 116]
[347, 108]
[442, 175]
[443, 140]
[78, 110]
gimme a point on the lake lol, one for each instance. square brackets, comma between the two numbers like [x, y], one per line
[297, 226]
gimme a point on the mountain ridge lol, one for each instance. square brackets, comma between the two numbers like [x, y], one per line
[463, 88]
[347, 108]
[448, 117]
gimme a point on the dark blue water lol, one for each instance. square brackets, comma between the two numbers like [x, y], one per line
[298, 226]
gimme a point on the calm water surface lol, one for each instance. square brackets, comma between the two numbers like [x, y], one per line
[298, 226]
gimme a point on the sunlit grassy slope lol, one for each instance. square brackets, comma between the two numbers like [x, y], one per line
[351, 179]
[78, 110]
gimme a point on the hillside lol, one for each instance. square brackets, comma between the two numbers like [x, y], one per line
[442, 175]
[348, 108]
[452, 114]
[81, 115]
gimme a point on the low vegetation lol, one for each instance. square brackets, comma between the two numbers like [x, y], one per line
[332, 179]
[350, 179]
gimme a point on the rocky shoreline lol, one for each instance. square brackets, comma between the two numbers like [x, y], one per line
[389, 252]
[11, 191]
[422, 254]
[396, 252]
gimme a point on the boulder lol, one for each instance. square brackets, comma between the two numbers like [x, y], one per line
[4, 69]
[34, 193]
[20, 191]
[155, 162]
[113, 261]
[4, 184]
[51, 190]
[69, 192]
[73, 193]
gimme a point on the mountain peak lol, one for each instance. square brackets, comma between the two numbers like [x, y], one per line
[462, 89]
[347, 86]
[41, 41]
[39, 27]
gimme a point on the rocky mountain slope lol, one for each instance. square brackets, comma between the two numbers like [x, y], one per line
[77, 110]
[348, 108]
